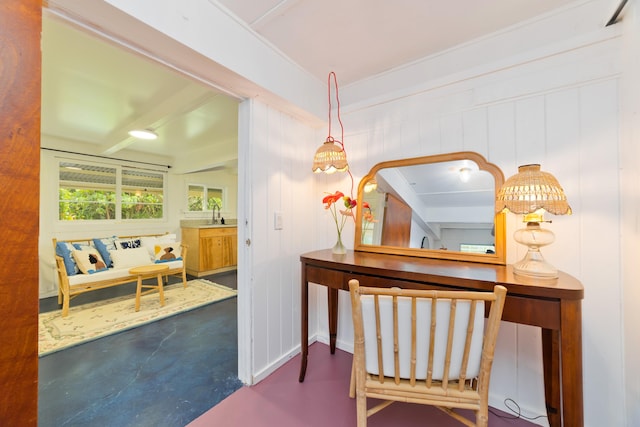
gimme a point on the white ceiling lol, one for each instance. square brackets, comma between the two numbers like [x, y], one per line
[361, 38]
[94, 91]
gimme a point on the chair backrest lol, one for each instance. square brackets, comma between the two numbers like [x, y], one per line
[426, 335]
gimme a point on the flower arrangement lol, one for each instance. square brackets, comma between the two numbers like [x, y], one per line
[331, 202]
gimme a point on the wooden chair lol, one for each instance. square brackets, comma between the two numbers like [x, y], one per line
[424, 346]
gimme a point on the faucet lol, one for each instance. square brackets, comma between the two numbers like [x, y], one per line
[213, 219]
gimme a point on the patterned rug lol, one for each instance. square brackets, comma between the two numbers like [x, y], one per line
[91, 321]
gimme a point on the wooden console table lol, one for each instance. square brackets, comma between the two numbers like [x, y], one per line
[555, 305]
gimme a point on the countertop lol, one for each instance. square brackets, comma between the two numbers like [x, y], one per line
[207, 224]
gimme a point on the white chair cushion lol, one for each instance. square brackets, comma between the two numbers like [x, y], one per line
[423, 323]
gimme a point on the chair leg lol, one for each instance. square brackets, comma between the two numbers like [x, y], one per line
[352, 382]
[361, 410]
[65, 305]
[482, 416]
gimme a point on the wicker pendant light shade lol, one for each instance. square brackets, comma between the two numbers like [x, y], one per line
[531, 190]
[330, 158]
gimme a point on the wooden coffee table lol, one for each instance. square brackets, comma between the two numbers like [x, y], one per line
[146, 271]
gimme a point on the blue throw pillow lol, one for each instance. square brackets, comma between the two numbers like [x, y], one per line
[105, 245]
[64, 249]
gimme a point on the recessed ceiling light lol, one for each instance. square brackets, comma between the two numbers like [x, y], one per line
[143, 134]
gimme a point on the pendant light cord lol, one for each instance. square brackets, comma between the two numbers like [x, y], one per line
[330, 138]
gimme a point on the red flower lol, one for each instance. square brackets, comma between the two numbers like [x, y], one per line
[331, 199]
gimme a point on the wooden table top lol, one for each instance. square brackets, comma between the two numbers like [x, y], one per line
[148, 269]
[447, 272]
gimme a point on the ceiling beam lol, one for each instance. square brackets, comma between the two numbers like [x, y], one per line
[157, 114]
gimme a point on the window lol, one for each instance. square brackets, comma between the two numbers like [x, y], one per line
[96, 192]
[142, 194]
[198, 193]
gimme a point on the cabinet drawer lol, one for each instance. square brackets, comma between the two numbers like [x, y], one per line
[210, 232]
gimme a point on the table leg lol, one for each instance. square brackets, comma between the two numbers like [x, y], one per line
[160, 289]
[332, 302]
[551, 368]
[138, 293]
[562, 363]
[304, 326]
[571, 362]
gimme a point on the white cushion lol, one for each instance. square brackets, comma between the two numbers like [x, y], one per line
[129, 258]
[167, 238]
[112, 274]
[423, 320]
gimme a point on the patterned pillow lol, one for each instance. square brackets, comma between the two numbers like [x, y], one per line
[149, 242]
[64, 250]
[89, 260]
[128, 243]
[165, 252]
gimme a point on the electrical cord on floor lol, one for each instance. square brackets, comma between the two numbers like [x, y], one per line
[517, 412]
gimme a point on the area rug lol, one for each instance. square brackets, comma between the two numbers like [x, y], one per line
[91, 321]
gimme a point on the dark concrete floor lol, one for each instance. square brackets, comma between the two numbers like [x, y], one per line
[165, 373]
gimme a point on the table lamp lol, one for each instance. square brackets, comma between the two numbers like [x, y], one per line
[532, 192]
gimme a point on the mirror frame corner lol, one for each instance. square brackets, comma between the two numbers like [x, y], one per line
[499, 218]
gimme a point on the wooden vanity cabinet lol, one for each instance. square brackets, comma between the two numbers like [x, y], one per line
[211, 250]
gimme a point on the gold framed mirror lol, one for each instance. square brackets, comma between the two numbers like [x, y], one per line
[440, 206]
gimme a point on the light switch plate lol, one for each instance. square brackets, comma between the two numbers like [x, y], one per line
[277, 220]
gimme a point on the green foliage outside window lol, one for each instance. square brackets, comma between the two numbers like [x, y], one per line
[100, 205]
[196, 196]
[217, 201]
[141, 206]
[86, 204]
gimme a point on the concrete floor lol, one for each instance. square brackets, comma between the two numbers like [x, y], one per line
[166, 373]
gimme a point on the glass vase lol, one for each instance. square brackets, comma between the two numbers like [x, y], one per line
[339, 248]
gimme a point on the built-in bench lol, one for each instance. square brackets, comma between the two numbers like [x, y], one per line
[84, 265]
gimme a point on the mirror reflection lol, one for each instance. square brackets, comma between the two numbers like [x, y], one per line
[436, 206]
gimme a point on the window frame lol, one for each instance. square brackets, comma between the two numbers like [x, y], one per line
[205, 190]
[119, 167]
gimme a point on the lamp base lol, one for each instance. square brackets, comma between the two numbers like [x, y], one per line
[533, 263]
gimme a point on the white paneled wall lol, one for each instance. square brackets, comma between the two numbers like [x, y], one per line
[559, 113]
[278, 169]
[630, 195]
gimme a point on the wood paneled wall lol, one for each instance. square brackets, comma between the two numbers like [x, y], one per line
[20, 27]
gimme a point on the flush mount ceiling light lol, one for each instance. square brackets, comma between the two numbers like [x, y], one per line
[465, 174]
[143, 134]
[331, 157]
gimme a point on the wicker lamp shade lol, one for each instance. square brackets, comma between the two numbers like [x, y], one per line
[531, 190]
[330, 158]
